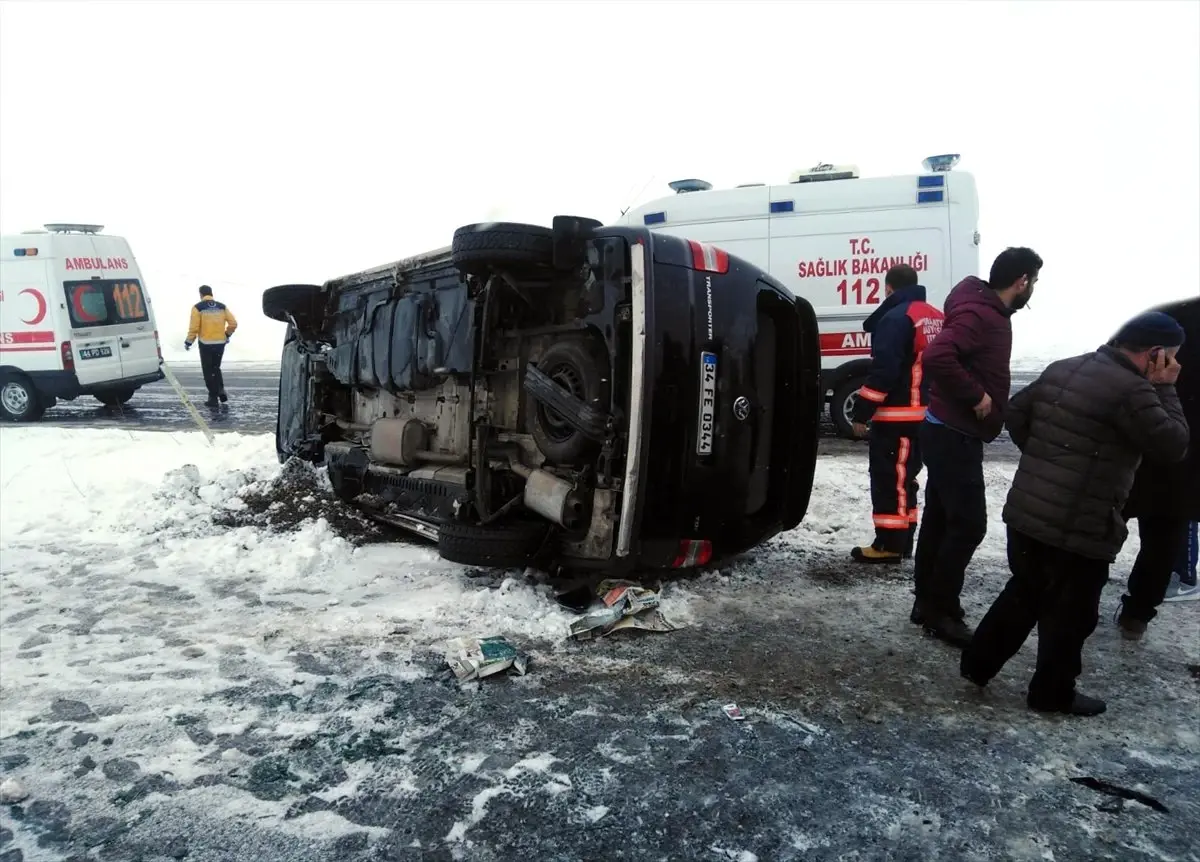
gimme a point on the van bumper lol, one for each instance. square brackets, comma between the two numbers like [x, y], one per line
[65, 386]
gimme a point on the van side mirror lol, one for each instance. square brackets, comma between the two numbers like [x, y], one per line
[571, 234]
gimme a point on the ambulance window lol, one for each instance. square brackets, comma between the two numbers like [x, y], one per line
[105, 303]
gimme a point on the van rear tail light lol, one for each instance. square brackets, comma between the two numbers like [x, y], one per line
[693, 552]
[68, 358]
[708, 258]
[158, 347]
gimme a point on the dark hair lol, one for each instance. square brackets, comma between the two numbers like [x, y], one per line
[900, 276]
[1011, 264]
[205, 290]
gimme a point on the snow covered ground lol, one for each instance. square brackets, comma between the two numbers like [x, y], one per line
[203, 655]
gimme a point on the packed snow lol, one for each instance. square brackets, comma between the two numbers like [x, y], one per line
[177, 620]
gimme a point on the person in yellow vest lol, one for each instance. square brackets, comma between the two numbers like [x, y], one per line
[212, 324]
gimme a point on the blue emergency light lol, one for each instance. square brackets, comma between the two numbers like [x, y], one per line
[25, 252]
[941, 163]
[683, 186]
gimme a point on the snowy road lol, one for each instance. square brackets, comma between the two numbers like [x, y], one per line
[195, 668]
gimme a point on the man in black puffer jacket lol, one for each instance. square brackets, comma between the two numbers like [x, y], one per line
[1165, 498]
[1082, 427]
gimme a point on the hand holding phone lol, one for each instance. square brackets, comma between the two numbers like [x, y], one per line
[1163, 369]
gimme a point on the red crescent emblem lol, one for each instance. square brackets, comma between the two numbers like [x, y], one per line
[41, 301]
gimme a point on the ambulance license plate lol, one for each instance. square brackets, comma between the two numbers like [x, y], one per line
[708, 403]
[95, 352]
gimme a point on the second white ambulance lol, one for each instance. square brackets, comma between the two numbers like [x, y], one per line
[75, 319]
[830, 236]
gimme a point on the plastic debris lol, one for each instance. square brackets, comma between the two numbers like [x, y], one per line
[476, 658]
[732, 710]
[621, 605]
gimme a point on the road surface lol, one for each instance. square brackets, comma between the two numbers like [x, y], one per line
[254, 397]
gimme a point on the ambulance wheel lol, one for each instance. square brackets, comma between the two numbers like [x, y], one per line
[841, 407]
[478, 248]
[115, 397]
[19, 400]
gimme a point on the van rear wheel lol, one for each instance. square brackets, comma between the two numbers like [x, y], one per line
[115, 397]
[19, 400]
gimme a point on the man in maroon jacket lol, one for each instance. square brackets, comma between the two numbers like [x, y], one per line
[967, 367]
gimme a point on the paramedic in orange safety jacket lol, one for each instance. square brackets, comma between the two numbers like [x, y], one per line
[212, 323]
[893, 400]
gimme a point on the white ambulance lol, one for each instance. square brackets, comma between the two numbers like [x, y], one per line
[75, 319]
[830, 236]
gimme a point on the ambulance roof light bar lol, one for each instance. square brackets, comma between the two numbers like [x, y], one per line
[684, 186]
[74, 228]
[825, 172]
[939, 164]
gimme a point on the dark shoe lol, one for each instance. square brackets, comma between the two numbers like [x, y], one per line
[954, 632]
[1080, 705]
[223, 396]
[211, 402]
[970, 674]
[874, 554]
[1131, 629]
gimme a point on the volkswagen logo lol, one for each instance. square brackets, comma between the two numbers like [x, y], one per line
[741, 408]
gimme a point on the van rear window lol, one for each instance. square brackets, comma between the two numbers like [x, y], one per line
[106, 302]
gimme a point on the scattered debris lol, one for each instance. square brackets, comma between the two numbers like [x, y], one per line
[476, 658]
[732, 710]
[621, 605]
[12, 792]
[1110, 789]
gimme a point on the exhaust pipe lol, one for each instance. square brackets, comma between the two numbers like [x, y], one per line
[551, 497]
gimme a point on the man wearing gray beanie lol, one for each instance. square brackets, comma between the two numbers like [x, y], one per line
[1082, 427]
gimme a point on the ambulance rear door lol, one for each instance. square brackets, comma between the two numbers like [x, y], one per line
[106, 306]
[833, 242]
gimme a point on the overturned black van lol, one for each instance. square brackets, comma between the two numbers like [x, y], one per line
[576, 397]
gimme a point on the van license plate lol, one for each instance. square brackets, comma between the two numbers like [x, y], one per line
[708, 403]
[95, 352]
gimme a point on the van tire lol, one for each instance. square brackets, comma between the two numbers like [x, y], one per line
[115, 397]
[842, 404]
[478, 248]
[301, 301]
[579, 366]
[19, 399]
[507, 545]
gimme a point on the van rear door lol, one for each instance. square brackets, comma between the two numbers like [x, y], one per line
[135, 326]
[112, 325]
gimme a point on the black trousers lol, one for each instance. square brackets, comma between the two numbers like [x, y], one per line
[955, 519]
[1055, 590]
[1162, 540]
[210, 364]
[894, 451]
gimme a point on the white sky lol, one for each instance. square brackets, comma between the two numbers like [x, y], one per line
[246, 144]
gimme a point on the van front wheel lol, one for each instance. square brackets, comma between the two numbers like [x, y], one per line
[19, 400]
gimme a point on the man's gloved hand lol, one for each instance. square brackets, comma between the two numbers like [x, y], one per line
[187, 345]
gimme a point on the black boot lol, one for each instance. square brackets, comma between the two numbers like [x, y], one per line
[1080, 704]
[909, 542]
[211, 402]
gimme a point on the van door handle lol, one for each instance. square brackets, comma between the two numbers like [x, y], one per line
[125, 343]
